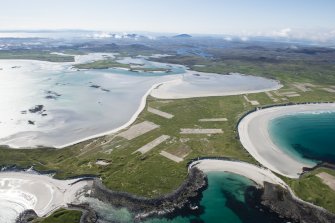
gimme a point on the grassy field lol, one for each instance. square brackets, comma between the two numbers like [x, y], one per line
[140, 174]
[111, 63]
[102, 64]
[32, 55]
[152, 174]
[61, 216]
[310, 188]
[285, 70]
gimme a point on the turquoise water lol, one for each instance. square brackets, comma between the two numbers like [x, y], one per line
[224, 201]
[307, 136]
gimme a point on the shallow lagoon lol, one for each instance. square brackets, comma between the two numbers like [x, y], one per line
[82, 104]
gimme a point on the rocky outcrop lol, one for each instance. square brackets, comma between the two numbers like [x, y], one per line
[183, 196]
[281, 201]
[26, 217]
[88, 214]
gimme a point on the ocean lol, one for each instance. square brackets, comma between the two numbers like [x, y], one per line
[229, 198]
[306, 136]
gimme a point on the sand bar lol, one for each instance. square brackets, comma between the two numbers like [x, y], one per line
[171, 156]
[255, 173]
[21, 190]
[252, 102]
[198, 84]
[147, 147]
[201, 131]
[160, 113]
[213, 120]
[330, 90]
[304, 86]
[254, 136]
[271, 96]
[138, 129]
[327, 179]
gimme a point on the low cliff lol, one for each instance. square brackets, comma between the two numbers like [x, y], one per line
[192, 187]
[281, 201]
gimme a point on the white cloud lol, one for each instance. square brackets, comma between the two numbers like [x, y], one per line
[244, 38]
[101, 35]
[283, 32]
[317, 35]
[228, 38]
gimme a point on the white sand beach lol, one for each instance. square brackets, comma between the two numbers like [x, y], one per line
[254, 136]
[257, 174]
[198, 84]
[117, 96]
[254, 173]
[20, 191]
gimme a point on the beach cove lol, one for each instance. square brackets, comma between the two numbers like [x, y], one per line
[255, 137]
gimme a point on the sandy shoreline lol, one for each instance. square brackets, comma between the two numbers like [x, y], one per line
[20, 191]
[257, 174]
[255, 138]
[131, 120]
[152, 92]
[250, 171]
[19, 134]
[178, 89]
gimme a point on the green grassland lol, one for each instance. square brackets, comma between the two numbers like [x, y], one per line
[35, 55]
[152, 174]
[102, 64]
[61, 216]
[112, 63]
[311, 188]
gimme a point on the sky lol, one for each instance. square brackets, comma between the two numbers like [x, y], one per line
[240, 17]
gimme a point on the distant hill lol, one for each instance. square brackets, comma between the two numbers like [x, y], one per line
[182, 36]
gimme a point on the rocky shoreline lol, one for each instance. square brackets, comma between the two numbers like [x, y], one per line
[281, 201]
[186, 196]
[186, 199]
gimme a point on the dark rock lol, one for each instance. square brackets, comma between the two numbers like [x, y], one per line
[26, 216]
[94, 86]
[88, 214]
[31, 122]
[143, 207]
[52, 95]
[281, 201]
[104, 89]
[37, 108]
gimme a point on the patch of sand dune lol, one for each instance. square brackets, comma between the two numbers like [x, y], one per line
[20, 191]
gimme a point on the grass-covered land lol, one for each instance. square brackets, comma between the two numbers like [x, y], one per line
[152, 174]
[311, 188]
[34, 55]
[313, 65]
[111, 63]
[102, 64]
[61, 216]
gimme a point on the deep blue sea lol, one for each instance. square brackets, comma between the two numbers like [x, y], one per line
[307, 136]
